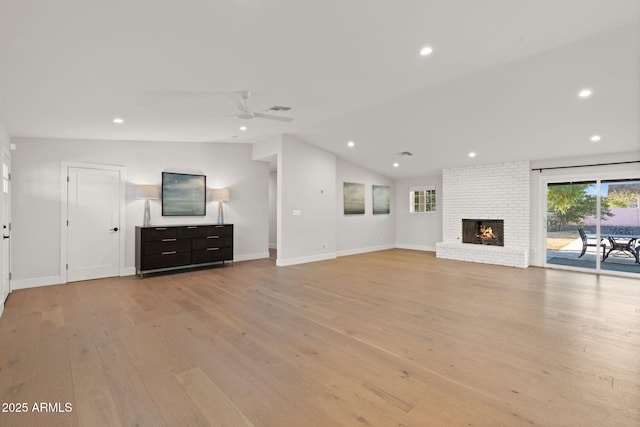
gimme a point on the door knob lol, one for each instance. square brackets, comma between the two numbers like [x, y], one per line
[114, 229]
[5, 237]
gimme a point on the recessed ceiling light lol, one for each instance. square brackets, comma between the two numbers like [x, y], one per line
[395, 165]
[472, 154]
[118, 120]
[351, 144]
[584, 93]
[426, 51]
[596, 138]
[243, 128]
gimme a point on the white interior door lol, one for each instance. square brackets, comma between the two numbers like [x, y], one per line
[93, 228]
[6, 227]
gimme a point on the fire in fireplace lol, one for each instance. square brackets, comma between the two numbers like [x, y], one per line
[483, 231]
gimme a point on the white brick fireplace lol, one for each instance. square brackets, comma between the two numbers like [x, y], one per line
[496, 191]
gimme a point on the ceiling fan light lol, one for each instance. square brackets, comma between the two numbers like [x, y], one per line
[426, 51]
[585, 93]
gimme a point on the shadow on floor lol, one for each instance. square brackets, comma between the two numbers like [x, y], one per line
[614, 262]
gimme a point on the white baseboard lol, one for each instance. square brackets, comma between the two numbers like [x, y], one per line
[304, 259]
[357, 251]
[36, 282]
[1, 309]
[416, 247]
[249, 257]
[129, 271]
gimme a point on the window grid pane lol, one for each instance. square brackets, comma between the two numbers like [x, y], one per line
[422, 201]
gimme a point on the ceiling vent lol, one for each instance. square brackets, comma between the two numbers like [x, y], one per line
[405, 153]
[279, 108]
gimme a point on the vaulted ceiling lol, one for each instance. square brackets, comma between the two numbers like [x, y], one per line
[502, 81]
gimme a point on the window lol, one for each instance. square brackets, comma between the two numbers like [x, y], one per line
[422, 199]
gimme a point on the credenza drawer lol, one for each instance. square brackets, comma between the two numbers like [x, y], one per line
[191, 231]
[212, 255]
[165, 260]
[212, 242]
[158, 233]
[166, 245]
[220, 230]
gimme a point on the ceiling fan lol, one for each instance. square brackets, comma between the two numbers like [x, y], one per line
[244, 112]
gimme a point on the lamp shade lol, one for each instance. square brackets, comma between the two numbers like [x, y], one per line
[220, 195]
[147, 192]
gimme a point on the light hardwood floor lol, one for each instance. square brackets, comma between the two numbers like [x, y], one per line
[391, 338]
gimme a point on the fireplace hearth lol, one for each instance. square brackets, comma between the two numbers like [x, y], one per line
[483, 231]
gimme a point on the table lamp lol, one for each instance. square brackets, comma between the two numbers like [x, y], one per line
[220, 195]
[146, 193]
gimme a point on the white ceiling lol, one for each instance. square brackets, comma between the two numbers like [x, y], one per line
[502, 81]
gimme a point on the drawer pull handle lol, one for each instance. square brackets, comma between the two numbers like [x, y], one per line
[169, 253]
[169, 240]
[219, 226]
[192, 226]
[161, 228]
[213, 237]
[213, 249]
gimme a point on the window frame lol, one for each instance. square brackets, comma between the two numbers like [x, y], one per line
[426, 202]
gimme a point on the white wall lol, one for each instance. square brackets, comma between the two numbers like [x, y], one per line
[368, 232]
[273, 210]
[4, 138]
[306, 184]
[37, 193]
[309, 181]
[419, 231]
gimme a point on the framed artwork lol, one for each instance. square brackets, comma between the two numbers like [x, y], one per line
[353, 198]
[183, 194]
[381, 202]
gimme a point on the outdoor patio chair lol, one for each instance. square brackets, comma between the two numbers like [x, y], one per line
[586, 244]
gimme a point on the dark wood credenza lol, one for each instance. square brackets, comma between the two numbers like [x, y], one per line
[170, 247]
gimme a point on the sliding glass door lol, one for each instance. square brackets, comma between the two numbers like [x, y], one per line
[620, 225]
[594, 225]
[572, 241]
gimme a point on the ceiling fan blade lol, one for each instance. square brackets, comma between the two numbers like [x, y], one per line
[272, 117]
[227, 116]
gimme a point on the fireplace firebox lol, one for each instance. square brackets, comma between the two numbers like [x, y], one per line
[483, 231]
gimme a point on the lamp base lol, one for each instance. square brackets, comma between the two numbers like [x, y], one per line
[220, 214]
[147, 214]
